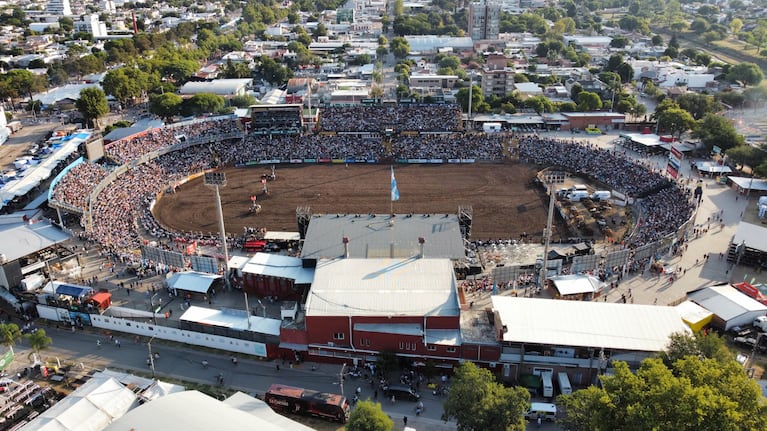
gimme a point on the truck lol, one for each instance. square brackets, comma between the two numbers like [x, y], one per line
[761, 323]
[289, 399]
[546, 384]
[491, 127]
[577, 195]
[601, 195]
[564, 384]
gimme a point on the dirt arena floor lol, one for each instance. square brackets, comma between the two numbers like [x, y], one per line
[504, 201]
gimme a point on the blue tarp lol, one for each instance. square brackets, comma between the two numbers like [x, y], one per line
[73, 291]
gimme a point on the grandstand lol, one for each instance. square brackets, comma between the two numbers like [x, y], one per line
[158, 160]
[276, 119]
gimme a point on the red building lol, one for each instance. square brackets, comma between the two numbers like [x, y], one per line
[359, 307]
[279, 276]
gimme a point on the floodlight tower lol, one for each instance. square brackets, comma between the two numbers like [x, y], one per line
[216, 180]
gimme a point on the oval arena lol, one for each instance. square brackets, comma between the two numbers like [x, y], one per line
[345, 168]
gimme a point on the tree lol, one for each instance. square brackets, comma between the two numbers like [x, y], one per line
[745, 155]
[368, 416]
[462, 97]
[477, 402]
[166, 105]
[717, 130]
[125, 83]
[9, 334]
[203, 103]
[736, 25]
[242, 101]
[399, 47]
[698, 105]
[92, 104]
[675, 121]
[589, 101]
[745, 73]
[695, 393]
[38, 340]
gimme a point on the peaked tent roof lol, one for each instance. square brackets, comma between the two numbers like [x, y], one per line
[92, 406]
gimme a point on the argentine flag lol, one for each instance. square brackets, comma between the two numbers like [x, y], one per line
[394, 191]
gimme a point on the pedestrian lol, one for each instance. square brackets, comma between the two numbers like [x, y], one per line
[393, 400]
[98, 343]
[277, 367]
[404, 420]
[117, 343]
[375, 394]
[234, 360]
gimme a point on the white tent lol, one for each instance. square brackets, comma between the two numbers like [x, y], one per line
[91, 407]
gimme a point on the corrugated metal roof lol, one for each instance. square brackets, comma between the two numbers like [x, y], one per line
[725, 301]
[275, 265]
[234, 319]
[587, 324]
[371, 236]
[23, 238]
[192, 281]
[383, 287]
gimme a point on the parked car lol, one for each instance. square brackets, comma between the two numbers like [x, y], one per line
[402, 392]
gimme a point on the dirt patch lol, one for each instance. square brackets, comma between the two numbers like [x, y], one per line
[505, 201]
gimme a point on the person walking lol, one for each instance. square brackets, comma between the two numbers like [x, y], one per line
[404, 420]
[98, 344]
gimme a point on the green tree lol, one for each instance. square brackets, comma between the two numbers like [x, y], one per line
[92, 104]
[698, 105]
[696, 393]
[539, 104]
[675, 121]
[125, 83]
[242, 101]
[736, 25]
[166, 105]
[745, 73]
[589, 101]
[399, 47]
[203, 103]
[462, 97]
[9, 334]
[477, 402]
[368, 416]
[38, 341]
[717, 130]
[745, 155]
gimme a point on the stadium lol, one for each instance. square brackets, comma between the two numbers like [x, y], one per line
[344, 167]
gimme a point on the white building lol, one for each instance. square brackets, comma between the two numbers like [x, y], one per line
[91, 24]
[59, 7]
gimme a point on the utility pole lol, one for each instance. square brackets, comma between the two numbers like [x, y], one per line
[341, 378]
[151, 356]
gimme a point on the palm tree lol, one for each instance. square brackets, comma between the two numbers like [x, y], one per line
[9, 334]
[38, 341]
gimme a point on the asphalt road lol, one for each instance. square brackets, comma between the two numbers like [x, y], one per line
[249, 375]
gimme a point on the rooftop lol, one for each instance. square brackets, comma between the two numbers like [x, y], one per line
[383, 287]
[377, 235]
[629, 327]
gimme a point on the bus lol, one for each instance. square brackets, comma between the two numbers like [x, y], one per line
[289, 399]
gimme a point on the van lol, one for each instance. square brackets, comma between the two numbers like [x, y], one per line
[564, 384]
[601, 195]
[576, 196]
[402, 392]
[546, 384]
[579, 188]
[546, 411]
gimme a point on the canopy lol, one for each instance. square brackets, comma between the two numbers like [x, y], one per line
[73, 291]
[192, 281]
[103, 299]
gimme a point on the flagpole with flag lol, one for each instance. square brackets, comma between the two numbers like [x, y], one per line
[394, 192]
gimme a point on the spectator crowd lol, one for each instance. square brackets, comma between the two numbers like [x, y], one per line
[121, 211]
[376, 119]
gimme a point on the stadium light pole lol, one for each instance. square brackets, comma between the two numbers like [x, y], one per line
[216, 180]
[550, 181]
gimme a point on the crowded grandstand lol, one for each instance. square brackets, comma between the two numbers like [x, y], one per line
[162, 157]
